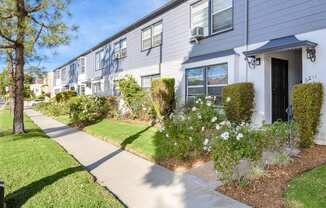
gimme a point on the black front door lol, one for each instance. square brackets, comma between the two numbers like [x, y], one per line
[280, 90]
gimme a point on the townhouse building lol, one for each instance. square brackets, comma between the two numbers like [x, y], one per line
[208, 44]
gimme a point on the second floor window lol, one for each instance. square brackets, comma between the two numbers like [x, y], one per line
[57, 74]
[152, 36]
[120, 49]
[64, 74]
[99, 60]
[222, 15]
[217, 19]
[82, 65]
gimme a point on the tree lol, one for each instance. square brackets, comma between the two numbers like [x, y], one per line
[25, 26]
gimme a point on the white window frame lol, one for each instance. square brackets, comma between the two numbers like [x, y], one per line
[151, 77]
[219, 11]
[99, 60]
[151, 29]
[205, 86]
[206, 33]
[82, 65]
[120, 50]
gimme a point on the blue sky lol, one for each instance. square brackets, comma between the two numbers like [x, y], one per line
[97, 20]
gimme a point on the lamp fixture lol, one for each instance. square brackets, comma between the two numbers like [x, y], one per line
[311, 54]
[253, 61]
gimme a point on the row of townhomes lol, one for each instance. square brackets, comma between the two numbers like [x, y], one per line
[208, 44]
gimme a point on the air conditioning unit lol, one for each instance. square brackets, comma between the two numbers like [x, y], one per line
[116, 56]
[197, 33]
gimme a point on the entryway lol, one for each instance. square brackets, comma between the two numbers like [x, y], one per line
[280, 89]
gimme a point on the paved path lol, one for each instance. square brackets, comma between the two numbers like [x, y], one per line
[137, 182]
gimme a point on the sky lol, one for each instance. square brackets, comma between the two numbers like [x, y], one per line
[97, 20]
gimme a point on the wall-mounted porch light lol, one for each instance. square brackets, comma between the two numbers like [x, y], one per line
[253, 61]
[311, 54]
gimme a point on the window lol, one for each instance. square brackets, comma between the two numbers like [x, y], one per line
[152, 36]
[81, 90]
[57, 74]
[222, 15]
[99, 60]
[146, 81]
[207, 81]
[199, 16]
[120, 49]
[82, 65]
[97, 87]
[63, 74]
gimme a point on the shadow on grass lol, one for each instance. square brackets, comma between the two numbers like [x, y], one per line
[19, 197]
[30, 133]
[133, 138]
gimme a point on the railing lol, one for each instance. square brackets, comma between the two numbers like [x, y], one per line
[2, 194]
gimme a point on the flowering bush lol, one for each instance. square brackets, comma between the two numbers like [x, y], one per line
[234, 143]
[84, 110]
[189, 132]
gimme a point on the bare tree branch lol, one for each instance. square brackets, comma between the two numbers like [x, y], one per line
[7, 46]
[36, 8]
[37, 36]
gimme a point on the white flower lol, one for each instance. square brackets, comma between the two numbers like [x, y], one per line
[190, 139]
[218, 127]
[191, 128]
[162, 129]
[205, 148]
[145, 109]
[228, 99]
[209, 104]
[225, 135]
[194, 109]
[167, 135]
[214, 119]
[203, 129]
[239, 136]
[199, 116]
[175, 144]
[206, 142]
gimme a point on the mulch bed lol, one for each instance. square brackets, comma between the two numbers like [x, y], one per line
[268, 190]
[183, 166]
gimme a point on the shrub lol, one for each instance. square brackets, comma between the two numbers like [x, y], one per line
[232, 144]
[163, 96]
[238, 102]
[85, 110]
[57, 109]
[189, 132]
[307, 100]
[132, 94]
[65, 96]
[113, 106]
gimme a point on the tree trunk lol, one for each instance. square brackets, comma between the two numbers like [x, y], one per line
[18, 124]
[11, 81]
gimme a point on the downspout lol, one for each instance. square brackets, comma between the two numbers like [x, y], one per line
[247, 33]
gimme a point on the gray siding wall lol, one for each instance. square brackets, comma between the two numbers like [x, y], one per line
[278, 18]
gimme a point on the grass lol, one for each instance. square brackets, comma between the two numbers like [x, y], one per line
[39, 173]
[140, 139]
[308, 190]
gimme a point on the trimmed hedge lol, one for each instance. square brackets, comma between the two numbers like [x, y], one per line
[65, 96]
[307, 101]
[163, 96]
[238, 102]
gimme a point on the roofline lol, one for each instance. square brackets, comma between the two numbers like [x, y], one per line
[161, 10]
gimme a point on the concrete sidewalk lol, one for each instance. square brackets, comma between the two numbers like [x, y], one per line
[136, 182]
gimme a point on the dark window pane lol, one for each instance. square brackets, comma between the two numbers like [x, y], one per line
[216, 92]
[222, 20]
[217, 75]
[196, 91]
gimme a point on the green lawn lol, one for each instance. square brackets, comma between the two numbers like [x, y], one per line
[39, 173]
[140, 139]
[308, 190]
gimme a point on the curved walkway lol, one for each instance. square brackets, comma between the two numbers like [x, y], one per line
[137, 182]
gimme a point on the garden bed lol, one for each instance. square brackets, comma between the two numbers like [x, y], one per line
[268, 190]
